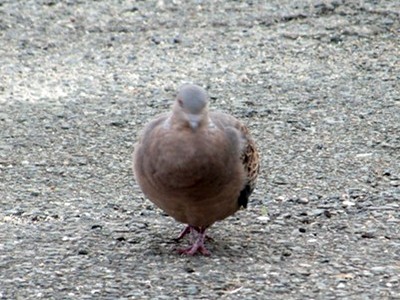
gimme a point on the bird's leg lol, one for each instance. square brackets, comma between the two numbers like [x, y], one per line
[198, 229]
[198, 245]
[184, 232]
[189, 229]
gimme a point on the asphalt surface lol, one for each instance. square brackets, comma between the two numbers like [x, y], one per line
[317, 82]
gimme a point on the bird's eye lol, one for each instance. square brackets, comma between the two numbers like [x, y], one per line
[180, 102]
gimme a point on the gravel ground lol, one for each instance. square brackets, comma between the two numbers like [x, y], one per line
[316, 81]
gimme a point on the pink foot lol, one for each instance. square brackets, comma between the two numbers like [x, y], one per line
[194, 249]
[198, 245]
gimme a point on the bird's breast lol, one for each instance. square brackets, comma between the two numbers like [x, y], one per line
[188, 163]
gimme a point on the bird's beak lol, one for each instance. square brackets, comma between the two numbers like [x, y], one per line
[194, 121]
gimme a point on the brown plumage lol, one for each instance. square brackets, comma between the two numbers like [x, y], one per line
[198, 166]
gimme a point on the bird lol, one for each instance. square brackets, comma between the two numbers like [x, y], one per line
[198, 166]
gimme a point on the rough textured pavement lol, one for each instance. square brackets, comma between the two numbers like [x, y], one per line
[316, 81]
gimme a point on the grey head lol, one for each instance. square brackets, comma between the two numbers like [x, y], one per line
[192, 103]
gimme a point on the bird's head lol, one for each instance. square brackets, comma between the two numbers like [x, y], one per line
[191, 106]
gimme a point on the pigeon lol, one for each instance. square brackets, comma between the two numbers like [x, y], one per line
[198, 166]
